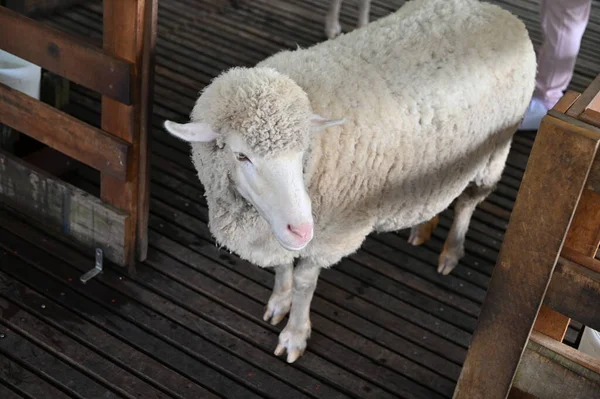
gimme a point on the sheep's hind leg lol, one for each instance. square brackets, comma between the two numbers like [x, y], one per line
[463, 210]
[332, 20]
[297, 331]
[421, 233]
[281, 298]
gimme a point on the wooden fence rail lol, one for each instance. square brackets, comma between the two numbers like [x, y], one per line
[122, 72]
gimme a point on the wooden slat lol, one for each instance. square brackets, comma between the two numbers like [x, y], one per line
[550, 369]
[575, 292]
[64, 133]
[147, 101]
[528, 256]
[551, 323]
[566, 101]
[584, 233]
[586, 98]
[124, 36]
[62, 207]
[65, 55]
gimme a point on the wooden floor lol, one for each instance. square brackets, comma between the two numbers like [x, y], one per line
[189, 325]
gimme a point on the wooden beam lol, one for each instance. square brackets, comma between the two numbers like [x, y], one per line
[566, 101]
[65, 55]
[125, 36]
[550, 369]
[147, 98]
[575, 292]
[589, 95]
[552, 184]
[551, 323]
[62, 208]
[64, 133]
[584, 233]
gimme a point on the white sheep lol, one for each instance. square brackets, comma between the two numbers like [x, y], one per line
[431, 97]
[332, 20]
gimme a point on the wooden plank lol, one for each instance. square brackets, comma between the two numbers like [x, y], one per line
[34, 357]
[22, 380]
[583, 260]
[575, 292]
[63, 208]
[92, 333]
[586, 99]
[64, 133]
[65, 55]
[125, 24]
[551, 323]
[584, 233]
[76, 355]
[566, 101]
[529, 253]
[197, 347]
[550, 369]
[147, 100]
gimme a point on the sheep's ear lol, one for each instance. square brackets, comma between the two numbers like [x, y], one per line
[319, 123]
[191, 132]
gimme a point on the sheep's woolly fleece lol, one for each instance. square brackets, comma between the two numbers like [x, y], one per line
[431, 94]
[270, 111]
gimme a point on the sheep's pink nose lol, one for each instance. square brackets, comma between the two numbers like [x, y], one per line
[302, 231]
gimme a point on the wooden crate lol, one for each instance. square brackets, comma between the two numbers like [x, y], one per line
[122, 71]
[547, 271]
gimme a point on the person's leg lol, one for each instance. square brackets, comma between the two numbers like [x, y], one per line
[563, 24]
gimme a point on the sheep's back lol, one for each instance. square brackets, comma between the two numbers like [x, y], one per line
[428, 94]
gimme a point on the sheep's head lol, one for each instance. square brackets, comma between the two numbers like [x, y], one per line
[262, 120]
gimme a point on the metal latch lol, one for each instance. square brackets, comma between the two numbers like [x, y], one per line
[96, 270]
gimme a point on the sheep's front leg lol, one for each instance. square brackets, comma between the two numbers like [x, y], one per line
[332, 20]
[297, 331]
[463, 210]
[281, 298]
[421, 233]
[363, 13]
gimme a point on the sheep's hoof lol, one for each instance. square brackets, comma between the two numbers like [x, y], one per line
[333, 30]
[421, 233]
[278, 307]
[447, 262]
[292, 340]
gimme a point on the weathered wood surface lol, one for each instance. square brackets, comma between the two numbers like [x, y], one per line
[125, 35]
[66, 55]
[527, 258]
[62, 207]
[575, 291]
[550, 369]
[584, 234]
[589, 101]
[551, 323]
[64, 133]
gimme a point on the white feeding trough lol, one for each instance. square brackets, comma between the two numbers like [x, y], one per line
[20, 75]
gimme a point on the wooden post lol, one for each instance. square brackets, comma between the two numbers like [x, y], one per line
[126, 26]
[555, 177]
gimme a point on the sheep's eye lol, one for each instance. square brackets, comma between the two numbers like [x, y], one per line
[241, 157]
